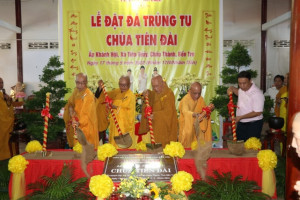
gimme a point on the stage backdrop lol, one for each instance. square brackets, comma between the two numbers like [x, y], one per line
[105, 38]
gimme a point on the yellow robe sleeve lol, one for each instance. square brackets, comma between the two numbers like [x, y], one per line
[186, 121]
[278, 96]
[205, 125]
[102, 113]
[88, 119]
[6, 126]
[125, 115]
[67, 118]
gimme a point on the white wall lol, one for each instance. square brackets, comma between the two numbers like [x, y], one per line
[278, 58]
[242, 19]
[39, 19]
[8, 62]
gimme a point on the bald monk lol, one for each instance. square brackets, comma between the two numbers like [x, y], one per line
[6, 122]
[81, 111]
[102, 112]
[123, 106]
[164, 116]
[190, 107]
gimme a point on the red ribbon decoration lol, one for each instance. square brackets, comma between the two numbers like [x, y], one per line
[45, 113]
[148, 111]
[140, 136]
[231, 107]
[108, 100]
[207, 111]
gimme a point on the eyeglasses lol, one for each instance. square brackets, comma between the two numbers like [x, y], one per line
[80, 83]
[123, 85]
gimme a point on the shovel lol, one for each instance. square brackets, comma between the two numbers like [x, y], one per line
[123, 140]
[204, 149]
[148, 112]
[88, 154]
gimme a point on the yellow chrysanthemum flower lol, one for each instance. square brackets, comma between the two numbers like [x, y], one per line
[33, 146]
[174, 149]
[253, 143]
[17, 164]
[141, 146]
[77, 148]
[101, 186]
[194, 145]
[182, 181]
[267, 159]
[106, 150]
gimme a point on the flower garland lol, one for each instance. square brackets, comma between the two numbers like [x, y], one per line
[174, 149]
[101, 186]
[77, 148]
[253, 143]
[267, 159]
[106, 150]
[182, 181]
[17, 164]
[141, 146]
[33, 146]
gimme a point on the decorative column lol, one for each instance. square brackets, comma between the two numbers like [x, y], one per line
[292, 159]
[263, 62]
[19, 41]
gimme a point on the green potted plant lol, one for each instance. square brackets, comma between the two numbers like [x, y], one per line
[60, 187]
[236, 58]
[224, 186]
[50, 83]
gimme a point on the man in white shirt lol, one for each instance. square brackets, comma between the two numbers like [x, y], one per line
[250, 107]
[272, 91]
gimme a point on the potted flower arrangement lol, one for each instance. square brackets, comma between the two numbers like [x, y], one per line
[135, 187]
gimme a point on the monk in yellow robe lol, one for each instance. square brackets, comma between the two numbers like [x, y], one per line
[190, 107]
[123, 106]
[282, 91]
[102, 112]
[6, 122]
[81, 111]
[281, 106]
[164, 115]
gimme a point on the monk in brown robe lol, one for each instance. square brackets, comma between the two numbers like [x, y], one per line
[190, 107]
[164, 115]
[81, 111]
[6, 122]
